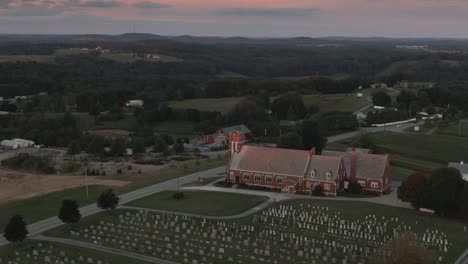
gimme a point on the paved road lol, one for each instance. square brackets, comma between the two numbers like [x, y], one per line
[41, 226]
[105, 249]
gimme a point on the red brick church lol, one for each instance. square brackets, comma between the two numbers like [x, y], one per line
[300, 171]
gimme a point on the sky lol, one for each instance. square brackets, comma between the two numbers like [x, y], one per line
[250, 18]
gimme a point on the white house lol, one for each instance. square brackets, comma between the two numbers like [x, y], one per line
[17, 143]
[462, 167]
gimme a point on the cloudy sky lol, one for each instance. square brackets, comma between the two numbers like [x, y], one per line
[260, 18]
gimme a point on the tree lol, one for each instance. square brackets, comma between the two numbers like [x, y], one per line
[290, 141]
[74, 148]
[16, 230]
[160, 145]
[96, 146]
[289, 106]
[178, 147]
[138, 145]
[118, 147]
[246, 111]
[312, 136]
[108, 200]
[381, 98]
[464, 198]
[318, 191]
[413, 189]
[445, 186]
[69, 212]
[404, 248]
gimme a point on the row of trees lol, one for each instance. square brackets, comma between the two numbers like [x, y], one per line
[444, 191]
[69, 213]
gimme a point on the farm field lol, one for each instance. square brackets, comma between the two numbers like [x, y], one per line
[44, 206]
[37, 252]
[294, 231]
[207, 104]
[26, 58]
[201, 202]
[336, 102]
[175, 127]
[429, 151]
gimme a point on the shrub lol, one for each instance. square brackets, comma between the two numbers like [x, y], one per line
[318, 191]
[108, 200]
[16, 230]
[178, 195]
[129, 167]
[30, 163]
[119, 171]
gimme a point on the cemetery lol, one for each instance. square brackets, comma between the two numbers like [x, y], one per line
[201, 202]
[39, 252]
[296, 231]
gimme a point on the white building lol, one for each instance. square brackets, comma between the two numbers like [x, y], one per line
[135, 103]
[17, 143]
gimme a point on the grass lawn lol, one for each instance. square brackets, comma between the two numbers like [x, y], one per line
[453, 129]
[205, 182]
[42, 207]
[127, 123]
[27, 58]
[336, 102]
[207, 104]
[398, 173]
[7, 253]
[201, 202]
[175, 127]
[417, 152]
[316, 214]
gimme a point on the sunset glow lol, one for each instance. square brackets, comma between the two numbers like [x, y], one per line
[394, 18]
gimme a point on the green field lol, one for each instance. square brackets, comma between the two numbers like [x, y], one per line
[42, 207]
[336, 102]
[26, 58]
[319, 222]
[19, 253]
[207, 104]
[455, 129]
[201, 202]
[421, 152]
[175, 127]
[398, 173]
[205, 182]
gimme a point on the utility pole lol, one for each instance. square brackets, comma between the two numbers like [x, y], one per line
[86, 182]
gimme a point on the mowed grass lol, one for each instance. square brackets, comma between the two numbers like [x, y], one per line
[27, 58]
[175, 127]
[7, 253]
[455, 129]
[398, 173]
[45, 206]
[201, 202]
[207, 104]
[421, 152]
[336, 102]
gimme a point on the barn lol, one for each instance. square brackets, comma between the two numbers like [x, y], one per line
[293, 171]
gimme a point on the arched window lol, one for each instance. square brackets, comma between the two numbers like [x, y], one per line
[329, 175]
[313, 173]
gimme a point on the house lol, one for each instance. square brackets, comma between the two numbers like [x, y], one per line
[379, 86]
[462, 167]
[291, 170]
[221, 137]
[17, 143]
